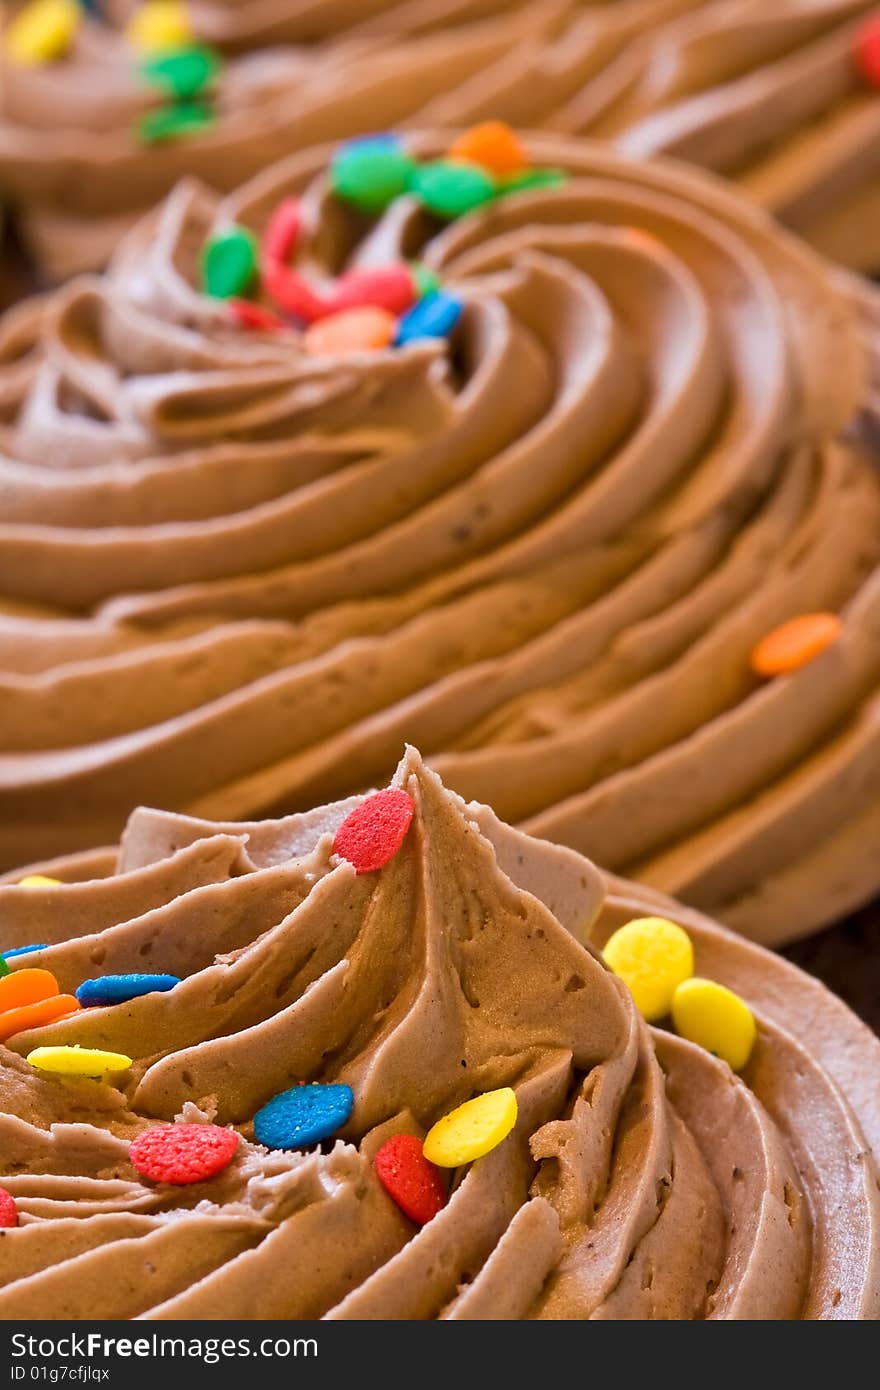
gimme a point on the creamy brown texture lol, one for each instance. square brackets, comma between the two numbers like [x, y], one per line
[643, 1179]
[234, 578]
[766, 94]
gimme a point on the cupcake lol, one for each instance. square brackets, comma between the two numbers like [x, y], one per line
[239, 564]
[782, 98]
[458, 1110]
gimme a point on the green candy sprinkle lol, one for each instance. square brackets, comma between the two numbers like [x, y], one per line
[4, 968]
[426, 281]
[371, 175]
[181, 72]
[173, 122]
[534, 178]
[228, 263]
[451, 190]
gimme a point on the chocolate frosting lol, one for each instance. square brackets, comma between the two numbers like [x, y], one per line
[235, 577]
[767, 95]
[643, 1179]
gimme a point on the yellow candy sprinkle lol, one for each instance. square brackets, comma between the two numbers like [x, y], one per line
[77, 1061]
[42, 31]
[160, 24]
[714, 1017]
[652, 956]
[38, 881]
[471, 1131]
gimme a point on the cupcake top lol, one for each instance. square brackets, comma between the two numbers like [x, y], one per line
[550, 540]
[613, 1170]
[784, 99]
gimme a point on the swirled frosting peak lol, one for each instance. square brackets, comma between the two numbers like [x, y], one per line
[642, 1177]
[235, 576]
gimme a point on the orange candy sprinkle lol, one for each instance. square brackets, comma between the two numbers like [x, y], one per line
[22, 987]
[355, 330]
[493, 145]
[35, 1015]
[795, 643]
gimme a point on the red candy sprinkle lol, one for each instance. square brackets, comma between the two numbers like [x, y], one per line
[389, 287]
[374, 831]
[282, 232]
[293, 294]
[866, 51]
[8, 1210]
[409, 1179]
[254, 316]
[182, 1154]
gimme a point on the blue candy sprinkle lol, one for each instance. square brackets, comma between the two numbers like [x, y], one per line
[116, 989]
[303, 1116]
[435, 316]
[380, 139]
[22, 950]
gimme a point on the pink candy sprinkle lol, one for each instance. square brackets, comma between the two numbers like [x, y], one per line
[282, 232]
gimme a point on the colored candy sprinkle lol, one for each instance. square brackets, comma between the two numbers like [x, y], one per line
[8, 1210]
[22, 987]
[28, 1016]
[292, 293]
[866, 51]
[116, 989]
[174, 122]
[652, 956]
[181, 73]
[373, 832]
[4, 968]
[390, 287]
[282, 232]
[451, 189]
[42, 32]
[158, 25]
[471, 1131]
[77, 1061]
[427, 281]
[356, 330]
[24, 950]
[534, 178]
[180, 1154]
[228, 262]
[795, 643]
[435, 316]
[303, 1116]
[370, 174]
[715, 1018]
[255, 317]
[409, 1179]
[38, 881]
[493, 145]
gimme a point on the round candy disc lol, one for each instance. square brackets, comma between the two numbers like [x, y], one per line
[174, 122]
[24, 950]
[229, 262]
[180, 1154]
[534, 178]
[255, 317]
[77, 1061]
[493, 145]
[38, 881]
[182, 73]
[409, 1179]
[282, 231]
[8, 1210]
[390, 287]
[451, 190]
[652, 956]
[427, 281]
[42, 31]
[116, 989]
[795, 643]
[866, 51]
[368, 329]
[715, 1018]
[370, 174]
[471, 1131]
[22, 987]
[159, 25]
[303, 1116]
[373, 832]
[36, 1015]
[293, 293]
[435, 316]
